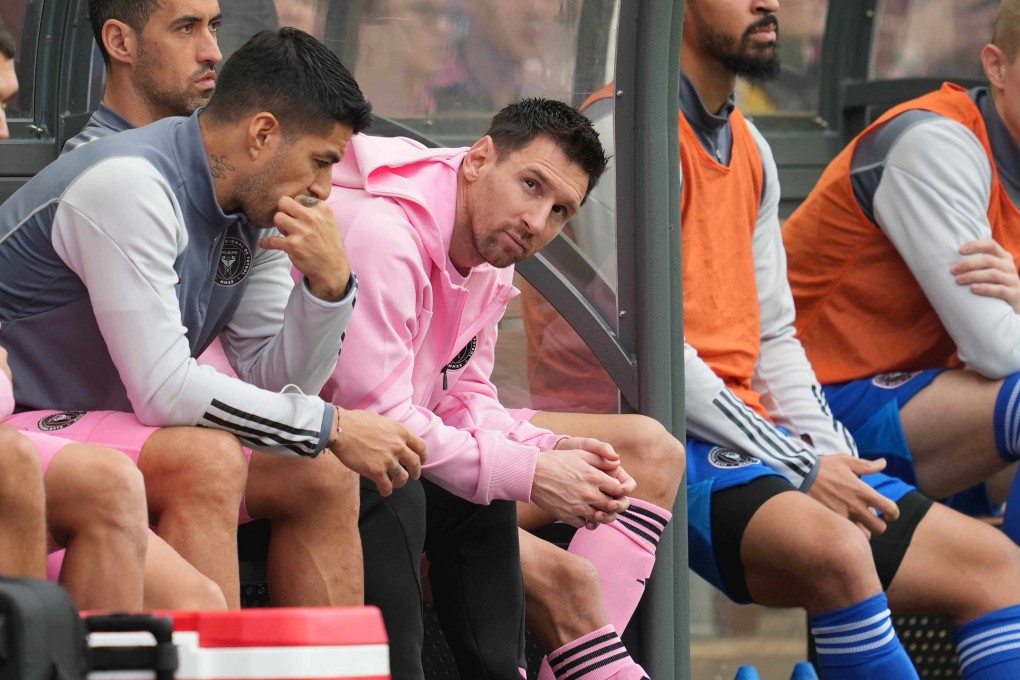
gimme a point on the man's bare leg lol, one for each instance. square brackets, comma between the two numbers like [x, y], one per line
[826, 567]
[315, 548]
[172, 583]
[194, 481]
[95, 507]
[958, 567]
[950, 429]
[22, 508]
[565, 614]
[622, 553]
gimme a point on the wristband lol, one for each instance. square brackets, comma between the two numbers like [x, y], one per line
[336, 434]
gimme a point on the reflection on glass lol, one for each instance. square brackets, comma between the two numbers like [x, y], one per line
[244, 18]
[559, 371]
[241, 20]
[403, 48]
[795, 89]
[510, 49]
[563, 373]
[423, 57]
[308, 15]
[13, 13]
[932, 38]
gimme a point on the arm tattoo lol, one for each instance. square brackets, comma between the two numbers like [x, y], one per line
[219, 167]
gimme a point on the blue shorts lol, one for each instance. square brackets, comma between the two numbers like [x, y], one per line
[711, 469]
[870, 409]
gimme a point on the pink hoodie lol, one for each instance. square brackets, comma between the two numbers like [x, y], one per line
[421, 342]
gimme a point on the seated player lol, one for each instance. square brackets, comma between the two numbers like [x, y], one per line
[903, 269]
[436, 233]
[153, 249]
[778, 511]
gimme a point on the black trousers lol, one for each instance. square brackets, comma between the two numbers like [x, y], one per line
[475, 574]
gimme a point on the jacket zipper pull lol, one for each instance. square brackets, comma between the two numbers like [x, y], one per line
[445, 385]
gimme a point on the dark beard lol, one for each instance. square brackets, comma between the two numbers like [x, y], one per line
[744, 60]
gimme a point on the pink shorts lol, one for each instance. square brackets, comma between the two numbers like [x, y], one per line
[46, 445]
[113, 429]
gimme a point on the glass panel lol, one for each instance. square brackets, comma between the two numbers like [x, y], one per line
[541, 363]
[795, 89]
[726, 636]
[14, 14]
[931, 38]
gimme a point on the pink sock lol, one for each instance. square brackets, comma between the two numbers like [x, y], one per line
[623, 553]
[599, 655]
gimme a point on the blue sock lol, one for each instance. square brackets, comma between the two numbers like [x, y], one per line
[858, 643]
[1007, 419]
[989, 646]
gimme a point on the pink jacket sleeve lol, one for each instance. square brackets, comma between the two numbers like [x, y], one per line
[376, 370]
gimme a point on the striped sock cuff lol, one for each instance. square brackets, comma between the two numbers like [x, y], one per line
[645, 522]
[990, 639]
[1006, 419]
[861, 630]
[595, 656]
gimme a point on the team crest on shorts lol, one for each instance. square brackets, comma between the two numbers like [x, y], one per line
[235, 261]
[892, 380]
[728, 458]
[58, 421]
[464, 356]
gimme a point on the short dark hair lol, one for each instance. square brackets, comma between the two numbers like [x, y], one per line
[134, 13]
[7, 46]
[293, 76]
[518, 124]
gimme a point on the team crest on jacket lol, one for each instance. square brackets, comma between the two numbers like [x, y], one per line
[892, 380]
[235, 261]
[728, 458]
[464, 356]
[58, 421]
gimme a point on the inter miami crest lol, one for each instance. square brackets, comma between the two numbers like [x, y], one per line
[891, 380]
[464, 356]
[235, 261]
[728, 458]
[58, 421]
[460, 361]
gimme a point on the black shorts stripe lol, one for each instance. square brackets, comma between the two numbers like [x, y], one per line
[279, 427]
[259, 437]
[594, 642]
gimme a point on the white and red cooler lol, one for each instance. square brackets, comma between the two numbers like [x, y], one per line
[267, 644]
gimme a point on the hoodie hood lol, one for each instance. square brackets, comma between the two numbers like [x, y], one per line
[385, 166]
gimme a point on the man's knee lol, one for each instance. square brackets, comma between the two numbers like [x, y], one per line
[199, 468]
[294, 488]
[96, 489]
[823, 563]
[653, 454]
